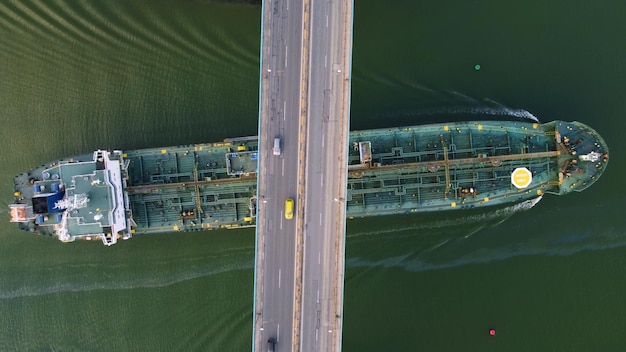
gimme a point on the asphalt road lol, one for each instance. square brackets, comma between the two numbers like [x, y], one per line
[299, 276]
[278, 175]
[327, 139]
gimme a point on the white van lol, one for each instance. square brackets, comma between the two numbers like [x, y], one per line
[276, 148]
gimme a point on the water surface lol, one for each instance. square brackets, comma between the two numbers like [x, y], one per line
[80, 75]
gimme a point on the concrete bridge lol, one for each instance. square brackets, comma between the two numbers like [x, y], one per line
[304, 109]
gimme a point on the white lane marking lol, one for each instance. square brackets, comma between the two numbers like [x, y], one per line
[285, 55]
[281, 219]
[277, 332]
[283, 167]
[279, 278]
[326, 20]
[323, 139]
[316, 331]
[322, 182]
[325, 61]
[318, 295]
[284, 110]
[320, 219]
[319, 261]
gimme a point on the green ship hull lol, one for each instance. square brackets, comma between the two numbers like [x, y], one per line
[110, 195]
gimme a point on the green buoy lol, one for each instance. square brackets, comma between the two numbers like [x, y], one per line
[477, 67]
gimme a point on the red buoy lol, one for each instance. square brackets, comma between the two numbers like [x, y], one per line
[492, 332]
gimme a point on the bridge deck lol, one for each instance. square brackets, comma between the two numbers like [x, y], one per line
[300, 261]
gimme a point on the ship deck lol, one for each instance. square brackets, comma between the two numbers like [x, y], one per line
[390, 171]
[438, 167]
[194, 187]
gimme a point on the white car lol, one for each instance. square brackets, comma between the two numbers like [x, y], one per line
[276, 149]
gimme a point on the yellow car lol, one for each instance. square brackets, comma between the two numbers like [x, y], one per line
[289, 208]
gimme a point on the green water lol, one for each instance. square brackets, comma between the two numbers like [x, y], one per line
[80, 75]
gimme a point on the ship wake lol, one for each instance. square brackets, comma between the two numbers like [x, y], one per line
[482, 239]
[497, 215]
[109, 281]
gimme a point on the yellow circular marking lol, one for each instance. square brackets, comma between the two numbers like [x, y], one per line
[480, 127]
[453, 204]
[521, 177]
[445, 128]
[486, 199]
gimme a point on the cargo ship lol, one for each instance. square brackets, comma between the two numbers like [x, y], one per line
[112, 195]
